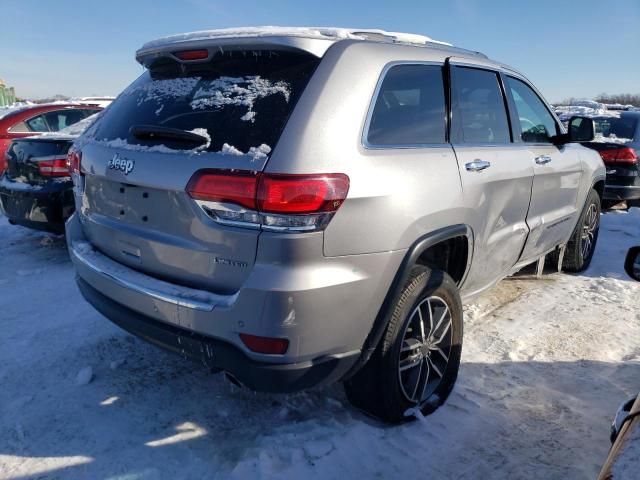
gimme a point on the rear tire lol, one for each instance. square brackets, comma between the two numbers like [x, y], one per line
[416, 363]
[582, 244]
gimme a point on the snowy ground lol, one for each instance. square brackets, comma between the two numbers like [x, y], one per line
[546, 363]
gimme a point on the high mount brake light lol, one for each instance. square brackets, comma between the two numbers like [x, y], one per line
[192, 55]
[279, 202]
[625, 155]
[56, 167]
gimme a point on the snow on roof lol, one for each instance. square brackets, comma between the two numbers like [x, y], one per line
[321, 33]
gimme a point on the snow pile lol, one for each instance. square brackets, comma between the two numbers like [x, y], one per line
[600, 138]
[230, 150]
[238, 91]
[257, 153]
[203, 132]
[321, 33]
[585, 108]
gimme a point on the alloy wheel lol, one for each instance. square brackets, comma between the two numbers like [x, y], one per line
[426, 348]
[589, 230]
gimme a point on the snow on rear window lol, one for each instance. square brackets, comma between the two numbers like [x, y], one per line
[615, 129]
[242, 91]
[239, 99]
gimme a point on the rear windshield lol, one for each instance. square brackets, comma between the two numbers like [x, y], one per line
[238, 101]
[617, 129]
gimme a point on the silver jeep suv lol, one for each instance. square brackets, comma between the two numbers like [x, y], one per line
[296, 207]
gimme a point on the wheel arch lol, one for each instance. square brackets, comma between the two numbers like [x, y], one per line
[449, 247]
[598, 186]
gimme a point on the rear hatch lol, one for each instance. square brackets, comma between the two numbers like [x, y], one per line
[614, 142]
[224, 112]
[36, 161]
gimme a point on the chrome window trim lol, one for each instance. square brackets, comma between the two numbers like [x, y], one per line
[365, 131]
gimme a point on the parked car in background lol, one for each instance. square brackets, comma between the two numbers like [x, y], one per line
[37, 119]
[617, 141]
[36, 187]
[250, 202]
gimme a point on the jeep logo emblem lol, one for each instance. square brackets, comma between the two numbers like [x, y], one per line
[120, 163]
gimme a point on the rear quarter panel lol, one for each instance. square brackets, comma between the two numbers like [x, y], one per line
[396, 195]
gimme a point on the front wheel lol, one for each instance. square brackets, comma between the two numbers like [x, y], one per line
[417, 361]
[582, 244]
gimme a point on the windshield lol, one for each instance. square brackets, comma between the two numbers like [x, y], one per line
[238, 101]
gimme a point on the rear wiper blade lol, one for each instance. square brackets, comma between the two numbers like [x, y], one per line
[151, 132]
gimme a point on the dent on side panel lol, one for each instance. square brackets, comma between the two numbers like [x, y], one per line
[396, 196]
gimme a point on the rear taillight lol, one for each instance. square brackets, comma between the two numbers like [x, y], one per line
[192, 54]
[237, 188]
[272, 346]
[56, 167]
[619, 156]
[74, 165]
[74, 159]
[302, 193]
[269, 201]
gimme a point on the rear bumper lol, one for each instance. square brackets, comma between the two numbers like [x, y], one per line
[259, 376]
[621, 192]
[324, 306]
[44, 207]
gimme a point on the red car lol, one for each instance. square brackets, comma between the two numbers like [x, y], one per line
[36, 119]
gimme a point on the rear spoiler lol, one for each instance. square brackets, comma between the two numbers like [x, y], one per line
[314, 46]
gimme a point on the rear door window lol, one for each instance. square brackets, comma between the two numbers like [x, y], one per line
[239, 100]
[479, 111]
[59, 119]
[37, 124]
[537, 125]
[410, 107]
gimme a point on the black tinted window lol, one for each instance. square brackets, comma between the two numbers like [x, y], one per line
[60, 119]
[616, 128]
[241, 99]
[479, 109]
[410, 107]
[37, 124]
[536, 122]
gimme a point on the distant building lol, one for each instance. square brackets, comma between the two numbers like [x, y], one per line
[7, 94]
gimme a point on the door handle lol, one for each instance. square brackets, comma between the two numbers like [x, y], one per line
[477, 165]
[543, 159]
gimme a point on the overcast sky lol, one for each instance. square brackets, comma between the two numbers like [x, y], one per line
[80, 48]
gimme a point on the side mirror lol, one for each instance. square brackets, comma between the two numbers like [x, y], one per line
[581, 129]
[632, 263]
